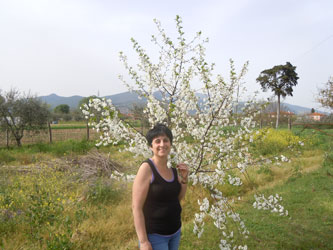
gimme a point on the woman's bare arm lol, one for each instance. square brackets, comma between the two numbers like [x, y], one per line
[139, 195]
[182, 178]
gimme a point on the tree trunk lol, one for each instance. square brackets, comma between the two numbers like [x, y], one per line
[18, 136]
[18, 141]
[278, 113]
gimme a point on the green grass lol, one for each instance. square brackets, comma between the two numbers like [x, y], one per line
[69, 126]
[104, 191]
[309, 200]
[32, 153]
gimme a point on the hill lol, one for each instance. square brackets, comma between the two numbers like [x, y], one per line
[125, 101]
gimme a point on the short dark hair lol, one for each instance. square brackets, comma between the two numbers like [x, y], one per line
[158, 130]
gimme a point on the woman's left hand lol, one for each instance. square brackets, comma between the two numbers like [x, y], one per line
[183, 171]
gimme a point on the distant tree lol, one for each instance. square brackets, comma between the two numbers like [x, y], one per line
[19, 112]
[85, 100]
[62, 109]
[77, 115]
[280, 79]
[313, 110]
[325, 95]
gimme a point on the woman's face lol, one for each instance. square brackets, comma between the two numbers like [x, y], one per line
[161, 146]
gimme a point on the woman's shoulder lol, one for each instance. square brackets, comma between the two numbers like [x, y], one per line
[144, 168]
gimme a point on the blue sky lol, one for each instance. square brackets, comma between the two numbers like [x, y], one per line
[70, 47]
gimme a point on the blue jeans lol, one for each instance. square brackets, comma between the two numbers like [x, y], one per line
[162, 242]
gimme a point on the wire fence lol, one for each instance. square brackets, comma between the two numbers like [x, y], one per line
[48, 136]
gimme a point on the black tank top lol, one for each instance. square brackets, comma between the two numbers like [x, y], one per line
[162, 208]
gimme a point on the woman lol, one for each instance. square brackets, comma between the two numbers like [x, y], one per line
[157, 191]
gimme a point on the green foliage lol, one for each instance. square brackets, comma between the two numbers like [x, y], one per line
[328, 163]
[60, 126]
[37, 204]
[30, 153]
[5, 157]
[62, 109]
[271, 141]
[42, 208]
[104, 192]
[280, 79]
[71, 146]
[314, 139]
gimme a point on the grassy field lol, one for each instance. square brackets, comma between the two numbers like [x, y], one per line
[50, 200]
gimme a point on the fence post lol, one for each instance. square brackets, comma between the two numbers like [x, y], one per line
[50, 132]
[87, 131]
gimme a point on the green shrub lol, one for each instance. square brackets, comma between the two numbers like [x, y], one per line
[104, 192]
[39, 148]
[71, 146]
[271, 141]
[6, 156]
[328, 162]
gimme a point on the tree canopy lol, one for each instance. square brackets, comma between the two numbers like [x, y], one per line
[19, 112]
[62, 108]
[280, 79]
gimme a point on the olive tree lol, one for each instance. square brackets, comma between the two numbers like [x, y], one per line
[19, 112]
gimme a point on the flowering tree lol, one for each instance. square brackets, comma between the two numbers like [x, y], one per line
[208, 135]
[325, 95]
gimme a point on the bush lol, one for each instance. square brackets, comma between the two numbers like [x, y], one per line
[271, 141]
[37, 204]
[5, 157]
[71, 146]
[104, 192]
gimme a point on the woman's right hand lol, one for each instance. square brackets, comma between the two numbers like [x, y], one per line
[146, 246]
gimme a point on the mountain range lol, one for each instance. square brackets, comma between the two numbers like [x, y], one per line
[125, 101]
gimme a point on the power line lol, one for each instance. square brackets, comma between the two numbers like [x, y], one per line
[314, 47]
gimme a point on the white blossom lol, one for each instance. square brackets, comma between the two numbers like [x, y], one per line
[271, 203]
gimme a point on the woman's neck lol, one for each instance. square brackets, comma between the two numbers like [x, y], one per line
[160, 161]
